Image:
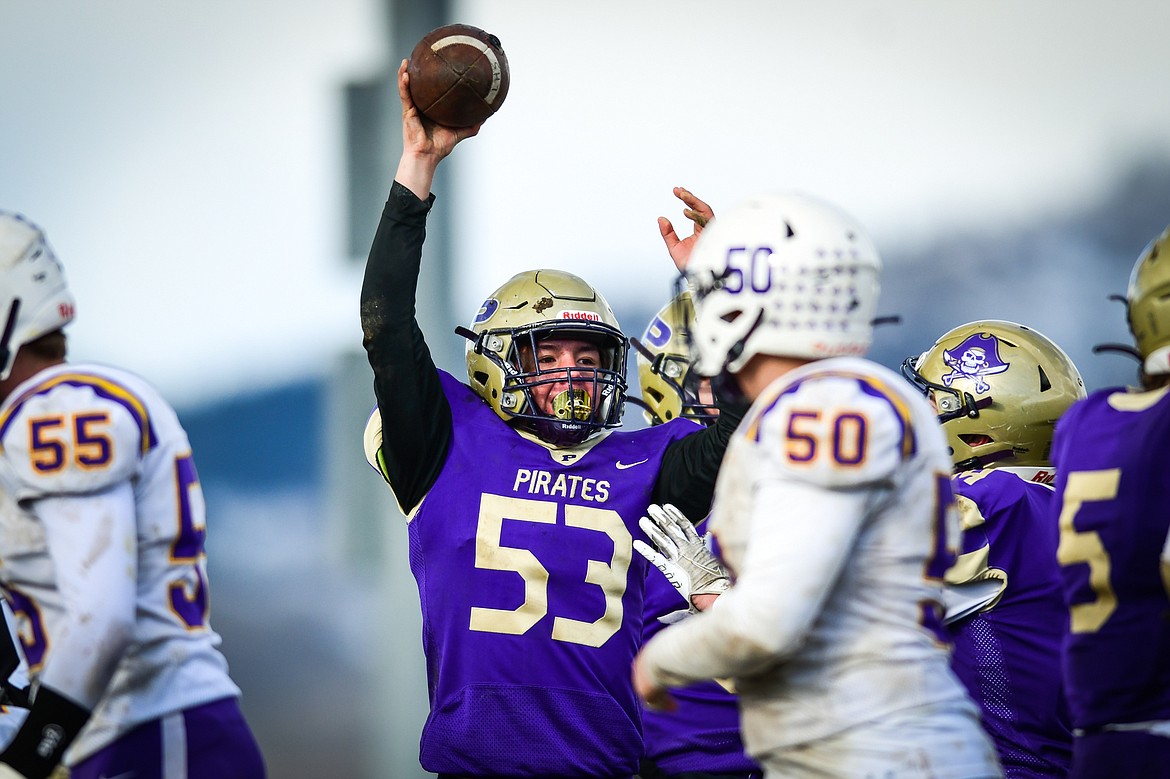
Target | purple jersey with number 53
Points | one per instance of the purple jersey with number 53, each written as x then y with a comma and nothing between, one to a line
1113,502
532,598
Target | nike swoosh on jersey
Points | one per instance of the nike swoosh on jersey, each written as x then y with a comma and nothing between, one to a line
622,466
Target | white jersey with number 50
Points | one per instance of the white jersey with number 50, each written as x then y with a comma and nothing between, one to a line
834,512
70,438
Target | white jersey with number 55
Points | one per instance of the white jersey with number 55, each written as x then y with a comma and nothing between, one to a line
94,463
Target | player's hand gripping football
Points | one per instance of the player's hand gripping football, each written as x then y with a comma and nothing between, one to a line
699,213
424,143
682,554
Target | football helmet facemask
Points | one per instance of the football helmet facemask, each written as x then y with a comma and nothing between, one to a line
785,275
1148,305
34,299
669,387
531,307
999,388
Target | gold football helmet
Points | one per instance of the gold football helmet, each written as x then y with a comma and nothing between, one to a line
527,309
1148,301
669,387
999,388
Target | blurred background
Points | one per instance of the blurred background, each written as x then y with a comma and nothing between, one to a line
211,175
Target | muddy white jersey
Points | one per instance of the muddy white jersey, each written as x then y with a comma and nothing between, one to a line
71,436
834,512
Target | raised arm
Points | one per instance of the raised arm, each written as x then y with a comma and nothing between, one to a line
690,465
416,419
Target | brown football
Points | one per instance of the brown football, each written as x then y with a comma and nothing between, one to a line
458,75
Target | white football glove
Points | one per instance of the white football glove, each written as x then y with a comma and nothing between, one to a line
674,574
8,772
682,555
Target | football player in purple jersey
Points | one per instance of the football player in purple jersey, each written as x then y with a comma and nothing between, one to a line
700,738
1112,494
999,388
522,501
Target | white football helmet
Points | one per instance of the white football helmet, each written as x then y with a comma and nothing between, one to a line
1148,302
34,299
786,275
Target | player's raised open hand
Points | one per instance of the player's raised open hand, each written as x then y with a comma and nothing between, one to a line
699,213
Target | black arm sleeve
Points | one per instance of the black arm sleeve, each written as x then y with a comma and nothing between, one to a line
416,418
690,465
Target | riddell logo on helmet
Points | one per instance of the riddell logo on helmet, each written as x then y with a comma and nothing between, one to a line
581,316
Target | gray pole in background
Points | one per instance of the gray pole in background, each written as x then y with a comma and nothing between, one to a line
367,532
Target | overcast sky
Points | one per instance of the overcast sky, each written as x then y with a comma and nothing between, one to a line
186,159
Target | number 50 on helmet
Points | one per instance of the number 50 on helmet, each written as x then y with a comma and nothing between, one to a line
529,308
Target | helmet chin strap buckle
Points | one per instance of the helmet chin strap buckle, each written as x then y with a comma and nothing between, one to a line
572,405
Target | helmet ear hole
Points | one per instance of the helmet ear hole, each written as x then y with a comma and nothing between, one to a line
480,378
976,439
1045,384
